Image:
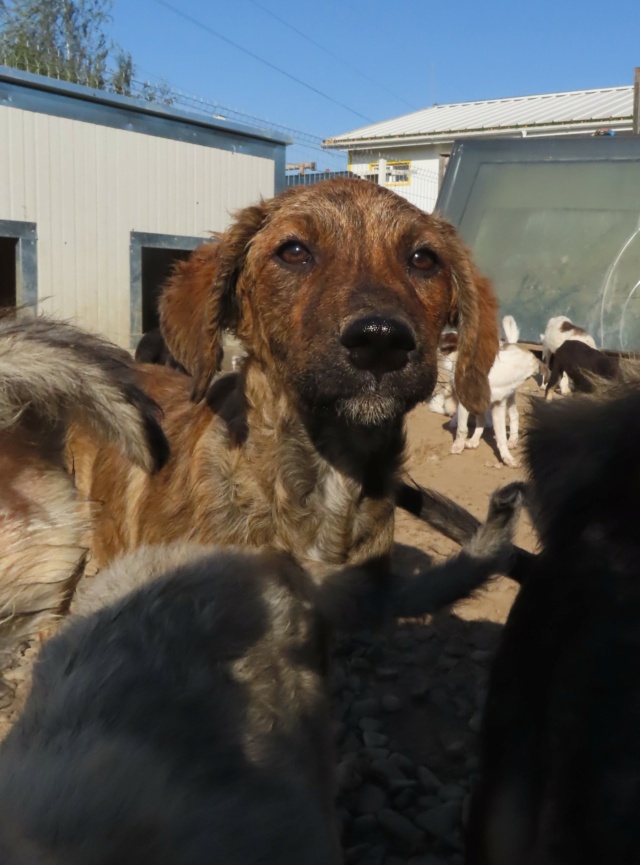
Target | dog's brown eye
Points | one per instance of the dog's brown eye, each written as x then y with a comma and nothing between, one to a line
426,261
294,252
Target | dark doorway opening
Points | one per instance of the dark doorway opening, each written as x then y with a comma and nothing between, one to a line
8,271
157,265
152,258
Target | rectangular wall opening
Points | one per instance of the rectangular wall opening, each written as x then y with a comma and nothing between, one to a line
152,258
157,266
8,271
18,264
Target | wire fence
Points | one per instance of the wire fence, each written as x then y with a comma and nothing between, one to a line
424,187
296,178
416,184
419,185
122,81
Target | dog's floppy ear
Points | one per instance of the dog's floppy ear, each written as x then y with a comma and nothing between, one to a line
183,304
474,314
198,302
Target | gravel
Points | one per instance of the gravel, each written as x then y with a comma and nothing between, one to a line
409,708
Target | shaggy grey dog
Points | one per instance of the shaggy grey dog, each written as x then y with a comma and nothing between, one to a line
188,721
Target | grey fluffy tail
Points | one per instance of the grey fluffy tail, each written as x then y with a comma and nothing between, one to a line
487,552
454,522
53,374
366,596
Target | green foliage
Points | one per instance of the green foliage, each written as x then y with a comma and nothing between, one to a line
67,39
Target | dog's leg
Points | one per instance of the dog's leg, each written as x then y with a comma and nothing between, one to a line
565,386
488,552
556,372
436,403
514,420
499,414
454,522
545,372
463,430
474,441
438,511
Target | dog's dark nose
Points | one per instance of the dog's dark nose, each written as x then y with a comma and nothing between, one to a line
378,343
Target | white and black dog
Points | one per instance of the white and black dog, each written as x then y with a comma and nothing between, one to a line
580,364
559,329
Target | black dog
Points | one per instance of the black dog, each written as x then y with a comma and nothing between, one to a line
153,349
187,722
560,746
581,363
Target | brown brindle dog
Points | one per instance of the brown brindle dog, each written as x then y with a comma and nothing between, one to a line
339,293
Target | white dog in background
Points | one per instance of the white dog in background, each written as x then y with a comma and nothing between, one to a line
512,367
558,330
444,400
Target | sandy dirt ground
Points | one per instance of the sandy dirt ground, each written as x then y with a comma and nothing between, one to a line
468,478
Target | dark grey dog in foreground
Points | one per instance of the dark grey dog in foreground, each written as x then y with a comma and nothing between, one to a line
188,722
560,747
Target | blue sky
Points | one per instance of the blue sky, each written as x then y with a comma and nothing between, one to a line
374,60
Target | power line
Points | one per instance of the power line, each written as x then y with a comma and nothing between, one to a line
196,22
213,108
331,53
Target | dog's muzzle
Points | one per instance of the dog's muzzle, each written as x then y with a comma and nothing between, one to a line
378,343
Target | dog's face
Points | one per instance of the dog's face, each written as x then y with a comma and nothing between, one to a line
342,289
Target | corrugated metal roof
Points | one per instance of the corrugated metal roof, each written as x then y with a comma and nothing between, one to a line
570,111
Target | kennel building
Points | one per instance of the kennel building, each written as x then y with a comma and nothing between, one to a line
100,193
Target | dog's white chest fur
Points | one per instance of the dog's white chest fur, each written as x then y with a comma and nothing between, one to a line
346,522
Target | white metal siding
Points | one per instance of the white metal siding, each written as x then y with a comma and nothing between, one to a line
422,189
87,187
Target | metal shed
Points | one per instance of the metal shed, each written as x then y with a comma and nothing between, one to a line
99,193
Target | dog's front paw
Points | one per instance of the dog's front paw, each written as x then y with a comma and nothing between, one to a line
472,444
508,459
494,538
458,446
512,463
507,498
